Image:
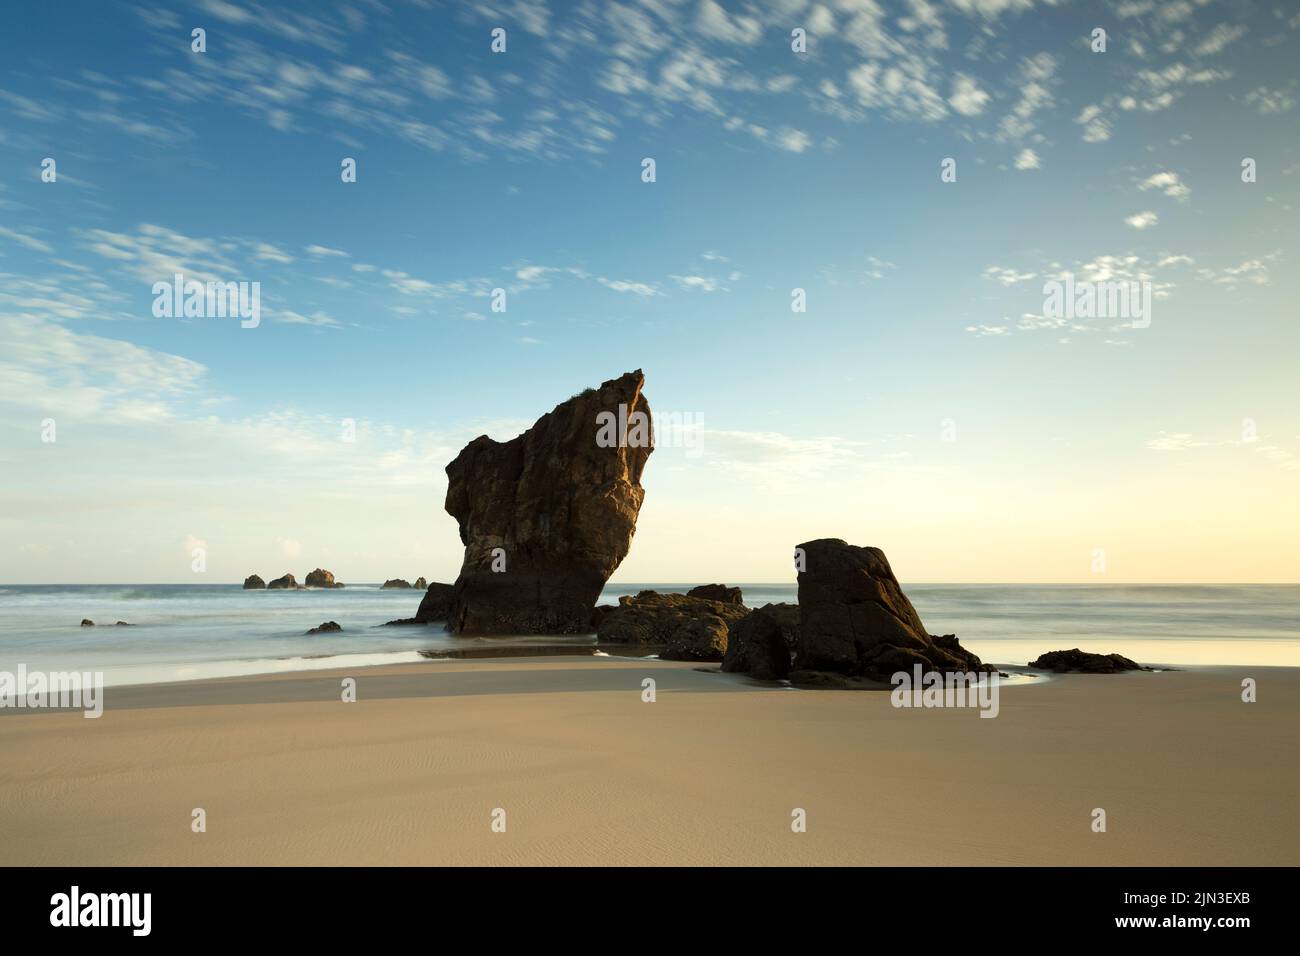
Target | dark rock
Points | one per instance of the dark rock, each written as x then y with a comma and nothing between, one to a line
548,516
436,603
826,680
397,583
253,583
321,578
599,613
288,581
325,628
854,618
87,622
123,624
716,592
686,628
1063,662
763,643
420,583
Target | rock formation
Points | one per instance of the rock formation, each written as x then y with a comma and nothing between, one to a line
682,628
253,583
762,644
855,620
598,615
547,516
1063,662
87,622
287,581
434,606
436,603
420,583
397,583
717,592
321,578
326,628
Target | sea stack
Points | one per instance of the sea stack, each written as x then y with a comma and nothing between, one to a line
320,578
288,581
548,516
855,620
254,583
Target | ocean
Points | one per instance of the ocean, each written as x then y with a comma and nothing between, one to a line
186,631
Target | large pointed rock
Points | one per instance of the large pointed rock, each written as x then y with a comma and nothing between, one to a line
854,618
547,516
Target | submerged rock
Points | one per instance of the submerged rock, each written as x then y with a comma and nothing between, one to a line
253,583
716,592
547,516
1063,662
686,628
325,628
854,618
321,578
762,644
123,624
287,581
397,583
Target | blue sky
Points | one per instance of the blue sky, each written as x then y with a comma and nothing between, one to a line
1173,449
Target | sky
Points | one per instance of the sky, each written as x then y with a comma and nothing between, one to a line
924,402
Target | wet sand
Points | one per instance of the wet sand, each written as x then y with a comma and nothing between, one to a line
710,773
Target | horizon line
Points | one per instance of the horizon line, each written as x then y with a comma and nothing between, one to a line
739,584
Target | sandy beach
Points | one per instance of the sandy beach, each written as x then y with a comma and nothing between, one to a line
709,773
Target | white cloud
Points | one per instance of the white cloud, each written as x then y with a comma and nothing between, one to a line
793,140
1168,183
265,252
289,317
1142,220
1268,101
1026,159
90,377
1219,38
967,98
1008,277
692,283
24,240
991,9
714,22
625,285
325,252
1096,129
901,90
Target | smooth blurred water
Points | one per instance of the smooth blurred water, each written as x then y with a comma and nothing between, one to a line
185,631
